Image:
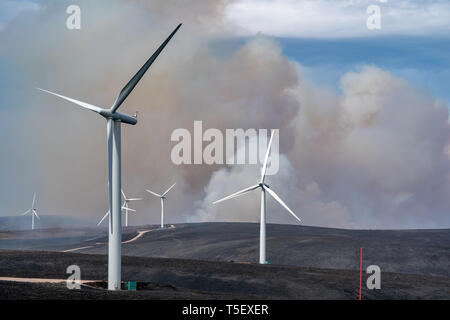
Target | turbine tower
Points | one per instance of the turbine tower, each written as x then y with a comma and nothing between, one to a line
264,188
107,213
114,121
126,202
32,211
163,198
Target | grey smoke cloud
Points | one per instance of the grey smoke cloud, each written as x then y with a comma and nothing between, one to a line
372,155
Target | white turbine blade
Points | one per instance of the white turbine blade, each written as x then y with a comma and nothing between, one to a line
128,209
35,213
169,189
80,103
134,199
239,193
34,200
22,214
104,217
153,193
276,197
123,193
263,170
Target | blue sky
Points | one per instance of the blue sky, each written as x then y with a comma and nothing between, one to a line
9,9
423,61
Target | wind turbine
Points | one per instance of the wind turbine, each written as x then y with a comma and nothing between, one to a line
126,202
32,211
163,198
264,188
123,208
114,120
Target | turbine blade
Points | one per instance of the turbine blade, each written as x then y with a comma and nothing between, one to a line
154,193
263,170
35,213
237,194
168,189
104,217
276,197
134,81
34,199
128,209
124,196
22,214
134,199
80,103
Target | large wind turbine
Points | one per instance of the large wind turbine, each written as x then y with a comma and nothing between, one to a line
114,120
126,202
32,211
163,198
264,187
123,208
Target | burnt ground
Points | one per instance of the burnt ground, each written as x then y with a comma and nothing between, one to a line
190,262
197,279
425,252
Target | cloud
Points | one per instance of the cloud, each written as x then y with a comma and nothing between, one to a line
338,19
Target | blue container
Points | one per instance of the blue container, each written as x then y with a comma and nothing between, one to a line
130,285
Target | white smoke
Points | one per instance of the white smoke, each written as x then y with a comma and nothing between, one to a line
371,155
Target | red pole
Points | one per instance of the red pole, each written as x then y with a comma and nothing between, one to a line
360,274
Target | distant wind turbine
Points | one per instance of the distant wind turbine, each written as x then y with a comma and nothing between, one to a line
114,121
32,211
264,187
126,202
123,208
163,198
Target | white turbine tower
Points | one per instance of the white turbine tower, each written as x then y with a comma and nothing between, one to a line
114,120
123,208
163,198
264,187
126,202
32,211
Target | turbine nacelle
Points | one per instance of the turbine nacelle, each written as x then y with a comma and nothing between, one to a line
119,116
264,185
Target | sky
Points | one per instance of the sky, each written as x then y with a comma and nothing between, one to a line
339,92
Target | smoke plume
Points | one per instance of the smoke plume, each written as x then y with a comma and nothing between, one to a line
371,155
